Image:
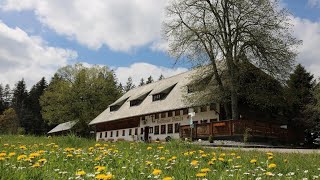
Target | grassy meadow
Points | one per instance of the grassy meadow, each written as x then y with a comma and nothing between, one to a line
26,157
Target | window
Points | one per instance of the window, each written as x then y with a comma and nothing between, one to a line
156,130
203,108
195,122
176,127
163,115
143,118
111,134
185,111
130,131
170,114
117,133
204,121
157,116
135,102
106,134
213,107
123,132
114,108
177,113
141,131
196,109
157,97
150,130
100,135
136,131
213,120
170,128
163,129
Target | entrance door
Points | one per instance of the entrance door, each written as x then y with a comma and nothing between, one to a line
146,133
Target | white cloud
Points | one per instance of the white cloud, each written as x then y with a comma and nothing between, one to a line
28,57
309,32
144,70
314,3
122,25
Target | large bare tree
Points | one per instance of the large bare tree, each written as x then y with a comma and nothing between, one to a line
229,32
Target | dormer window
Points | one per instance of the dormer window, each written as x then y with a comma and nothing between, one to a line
116,105
162,92
137,100
160,96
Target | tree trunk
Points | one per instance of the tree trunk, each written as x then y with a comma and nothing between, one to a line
227,110
234,76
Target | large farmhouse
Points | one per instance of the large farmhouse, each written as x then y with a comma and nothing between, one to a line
159,110
152,111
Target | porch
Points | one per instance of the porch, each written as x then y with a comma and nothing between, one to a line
235,129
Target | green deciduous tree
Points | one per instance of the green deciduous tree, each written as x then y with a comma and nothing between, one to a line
77,93
224,33
9,122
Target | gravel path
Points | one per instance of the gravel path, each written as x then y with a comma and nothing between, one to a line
230,145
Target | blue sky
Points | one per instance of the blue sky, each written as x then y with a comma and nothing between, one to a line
124,35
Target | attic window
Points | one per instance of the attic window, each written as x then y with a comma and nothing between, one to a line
159,96
116,105
162,92
137,100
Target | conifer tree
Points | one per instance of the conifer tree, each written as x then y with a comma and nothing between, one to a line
149,80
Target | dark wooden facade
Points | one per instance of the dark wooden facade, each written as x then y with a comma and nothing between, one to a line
236,129
118,124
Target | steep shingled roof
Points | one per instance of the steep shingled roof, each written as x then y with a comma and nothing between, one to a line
63,127
174,100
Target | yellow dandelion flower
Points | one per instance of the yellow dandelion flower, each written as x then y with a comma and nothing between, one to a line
148,162
156,172
6,145
220,159
272,165
194,162
149,148
204,155
42,160
160,147
253,161
174,157
33,155
21,157
69,155
269,153
270,157
205,170
222,154
101,168
214,159
285,160
36,165
233,154
2,159
104,176
210,163
3,154
167,178
23,147
201,174
80,173
201,151
97,145
238,157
